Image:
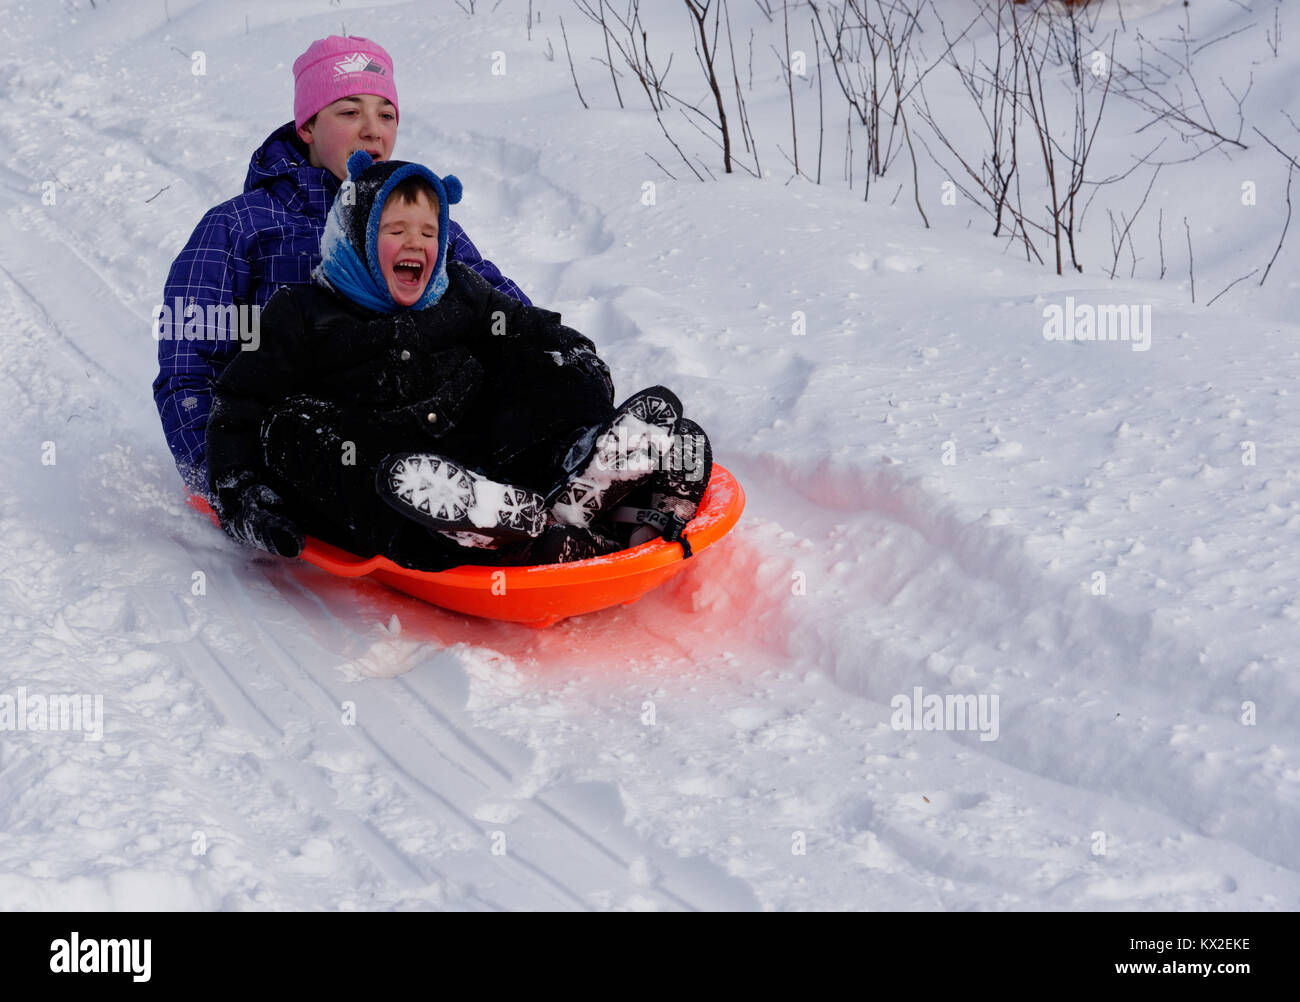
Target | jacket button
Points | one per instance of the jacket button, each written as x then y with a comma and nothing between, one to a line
406,356
431,417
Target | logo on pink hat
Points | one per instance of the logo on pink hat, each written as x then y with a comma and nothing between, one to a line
357,62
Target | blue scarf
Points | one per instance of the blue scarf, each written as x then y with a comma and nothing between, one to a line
361,280
348,276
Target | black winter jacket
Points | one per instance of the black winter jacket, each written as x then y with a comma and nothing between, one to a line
479,377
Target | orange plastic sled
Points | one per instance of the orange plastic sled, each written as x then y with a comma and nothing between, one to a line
543,594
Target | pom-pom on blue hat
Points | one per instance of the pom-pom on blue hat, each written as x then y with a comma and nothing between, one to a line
350,244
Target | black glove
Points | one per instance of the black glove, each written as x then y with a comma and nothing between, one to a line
594,365
256,522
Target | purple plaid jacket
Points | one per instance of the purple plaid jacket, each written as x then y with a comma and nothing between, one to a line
240,253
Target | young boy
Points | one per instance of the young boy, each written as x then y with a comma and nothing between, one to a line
244,249
402,406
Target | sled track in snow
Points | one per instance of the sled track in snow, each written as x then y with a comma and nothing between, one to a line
1051,652
444,771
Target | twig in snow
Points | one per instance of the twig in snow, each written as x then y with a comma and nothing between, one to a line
1115,264
821,112
660,166
1160,236
572,71
1229,286
1290,159
1289,172
789,82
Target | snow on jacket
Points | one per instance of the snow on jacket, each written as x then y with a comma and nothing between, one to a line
240,253
508,383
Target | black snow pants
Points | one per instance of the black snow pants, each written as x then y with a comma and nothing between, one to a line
323,458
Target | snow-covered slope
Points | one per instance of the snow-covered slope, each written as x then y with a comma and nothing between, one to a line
1102,539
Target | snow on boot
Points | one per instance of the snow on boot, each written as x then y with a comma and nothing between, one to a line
445,496
474,540
625,455
672,497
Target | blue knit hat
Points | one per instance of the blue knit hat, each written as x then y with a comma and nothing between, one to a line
349,246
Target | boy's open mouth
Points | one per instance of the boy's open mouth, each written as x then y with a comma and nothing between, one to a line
408,272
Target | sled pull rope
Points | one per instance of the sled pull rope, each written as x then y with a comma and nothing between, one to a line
676,533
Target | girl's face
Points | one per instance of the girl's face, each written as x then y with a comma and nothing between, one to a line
361,122
408,247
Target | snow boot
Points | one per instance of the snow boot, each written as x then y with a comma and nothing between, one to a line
665,506
447,497
624,456
562,544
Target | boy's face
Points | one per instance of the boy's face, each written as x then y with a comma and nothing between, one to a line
408,247
361,122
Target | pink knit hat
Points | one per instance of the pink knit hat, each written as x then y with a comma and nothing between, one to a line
340,66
